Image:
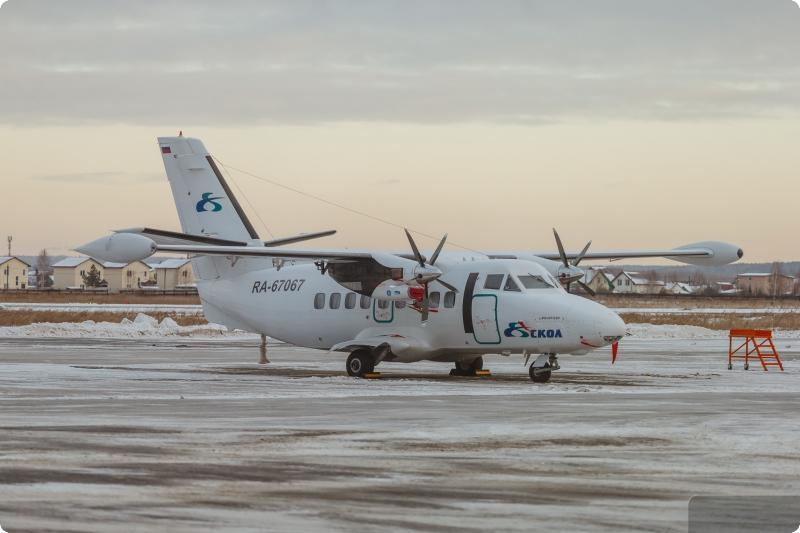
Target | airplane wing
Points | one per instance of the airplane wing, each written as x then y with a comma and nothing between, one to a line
265,251
701,253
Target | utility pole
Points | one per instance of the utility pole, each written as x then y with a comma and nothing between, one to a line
9,255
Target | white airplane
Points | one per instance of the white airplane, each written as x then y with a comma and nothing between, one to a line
378,306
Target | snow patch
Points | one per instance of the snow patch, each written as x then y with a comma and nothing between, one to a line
667,331
141,326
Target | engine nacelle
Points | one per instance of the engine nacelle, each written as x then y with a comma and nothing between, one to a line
119,248
395,293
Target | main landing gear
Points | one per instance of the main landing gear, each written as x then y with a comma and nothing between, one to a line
469,367
542,369
359,363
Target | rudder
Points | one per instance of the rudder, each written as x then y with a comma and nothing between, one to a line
206,205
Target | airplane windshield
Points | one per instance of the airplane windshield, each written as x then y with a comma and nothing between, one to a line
534,281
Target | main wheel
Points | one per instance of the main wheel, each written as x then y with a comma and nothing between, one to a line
467,367
540,375
360,362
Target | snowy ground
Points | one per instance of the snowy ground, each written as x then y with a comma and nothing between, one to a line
104,308
104,429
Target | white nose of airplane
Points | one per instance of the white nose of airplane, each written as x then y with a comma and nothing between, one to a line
611,327
600,326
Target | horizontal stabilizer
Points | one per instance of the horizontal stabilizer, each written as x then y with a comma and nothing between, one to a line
300,238
166,237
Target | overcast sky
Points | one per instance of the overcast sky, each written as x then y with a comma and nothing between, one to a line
629,122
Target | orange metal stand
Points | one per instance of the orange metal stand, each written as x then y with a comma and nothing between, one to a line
756,341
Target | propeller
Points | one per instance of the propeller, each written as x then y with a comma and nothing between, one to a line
426,272
570,272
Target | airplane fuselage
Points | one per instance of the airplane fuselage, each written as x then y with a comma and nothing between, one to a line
299,305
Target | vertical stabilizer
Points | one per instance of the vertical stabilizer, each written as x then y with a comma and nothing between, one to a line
206,205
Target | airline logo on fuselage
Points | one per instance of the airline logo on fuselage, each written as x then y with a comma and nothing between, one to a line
522,331
208,203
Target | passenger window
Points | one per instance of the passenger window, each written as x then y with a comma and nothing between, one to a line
365,301
350,300
511,285
493,281
319,300
449,299
383,304
336,299
433,299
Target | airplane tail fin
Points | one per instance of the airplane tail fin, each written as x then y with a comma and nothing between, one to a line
206,205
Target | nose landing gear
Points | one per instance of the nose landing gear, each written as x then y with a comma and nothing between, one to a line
542,369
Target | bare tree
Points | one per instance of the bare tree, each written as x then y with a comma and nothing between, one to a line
699,279
43,270
775,279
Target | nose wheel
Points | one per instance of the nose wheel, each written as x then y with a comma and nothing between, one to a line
542,369
541,374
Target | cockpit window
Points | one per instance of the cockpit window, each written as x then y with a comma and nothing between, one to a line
493,281
535,281
511,285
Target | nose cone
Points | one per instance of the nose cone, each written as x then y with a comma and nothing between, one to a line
599,325
611,327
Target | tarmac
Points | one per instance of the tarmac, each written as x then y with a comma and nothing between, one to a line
193,435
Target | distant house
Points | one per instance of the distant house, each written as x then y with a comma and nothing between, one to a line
171,274
634,283
598,279
68,273
121,276
14,272
676,287
726,288
765,284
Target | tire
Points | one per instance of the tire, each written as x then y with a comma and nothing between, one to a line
360,362
540,375
466,367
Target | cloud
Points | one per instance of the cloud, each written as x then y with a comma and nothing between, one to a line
247,61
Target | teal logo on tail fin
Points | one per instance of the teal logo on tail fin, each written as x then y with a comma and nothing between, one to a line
203,205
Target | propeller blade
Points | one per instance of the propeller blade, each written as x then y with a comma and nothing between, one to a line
614,348
435,255
418,255
561,251
587,288
580,255
447,285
